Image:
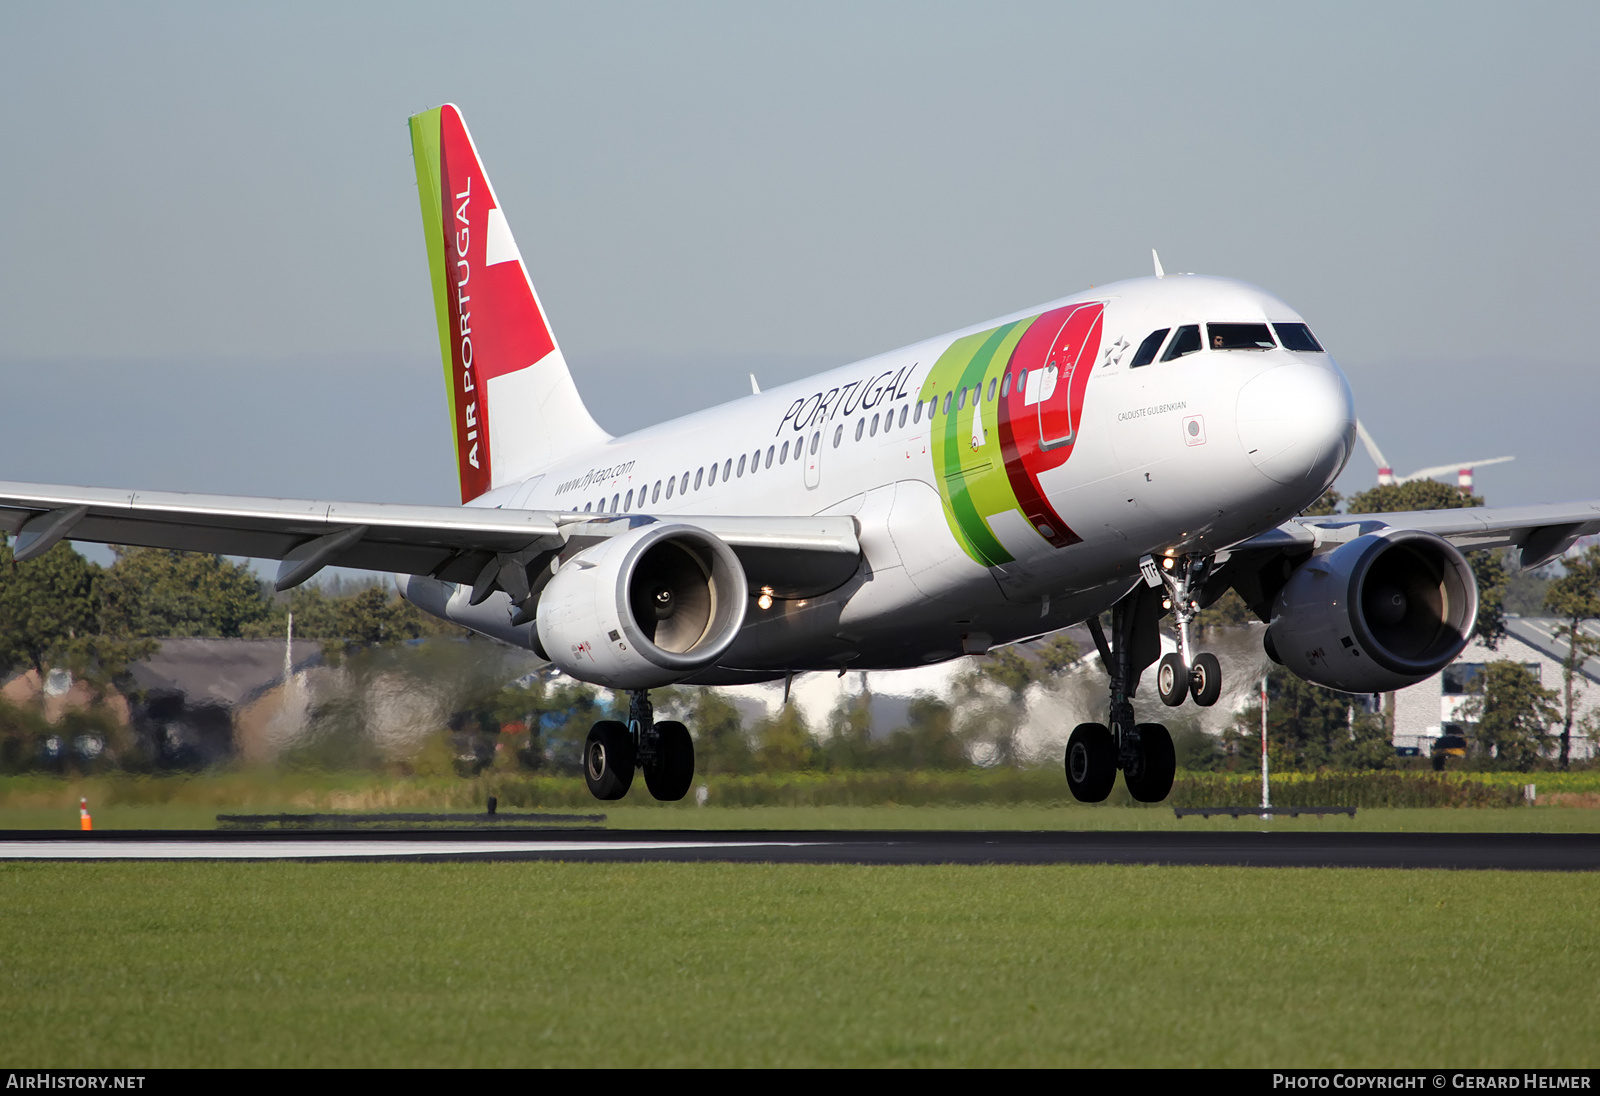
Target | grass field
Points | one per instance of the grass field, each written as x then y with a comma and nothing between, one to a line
174,964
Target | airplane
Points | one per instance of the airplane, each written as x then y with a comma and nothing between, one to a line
1138,447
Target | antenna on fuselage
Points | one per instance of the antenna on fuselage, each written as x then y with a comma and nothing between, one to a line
1157,260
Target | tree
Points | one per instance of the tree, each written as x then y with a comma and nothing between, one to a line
47,605
1310,727
1575,598
785,741
1014,669
155,592
1423,494
849,744
1327,503
928,740
1513,713
719,742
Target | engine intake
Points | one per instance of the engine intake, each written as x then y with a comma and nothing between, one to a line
1384,611
644,609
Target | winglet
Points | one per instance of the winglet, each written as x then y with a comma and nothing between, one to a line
1157,260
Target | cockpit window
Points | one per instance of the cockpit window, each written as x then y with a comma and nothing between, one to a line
1148,348
1239,336
1297,336
1186,341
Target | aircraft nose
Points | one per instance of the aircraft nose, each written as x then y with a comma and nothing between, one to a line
1296,423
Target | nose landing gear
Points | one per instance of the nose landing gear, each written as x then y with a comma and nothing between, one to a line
1184,673
663,750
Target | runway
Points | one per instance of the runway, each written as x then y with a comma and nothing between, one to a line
1461,851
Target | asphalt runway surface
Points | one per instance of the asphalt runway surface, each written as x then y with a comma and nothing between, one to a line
1301,849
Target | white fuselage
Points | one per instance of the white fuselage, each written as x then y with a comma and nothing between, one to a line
1191,454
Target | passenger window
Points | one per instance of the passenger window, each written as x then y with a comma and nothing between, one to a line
769,456
872,431
903,411
1005,386
861,426
947,403
615,499
699,474
627,503
587,507
992,383
671,483
838,435
727,469
916,416
1147,349
961,400
683,484
712,478
1240,336
1022,381
816,441
741,466
1297,336
1186,341
755,461
783,454
655,492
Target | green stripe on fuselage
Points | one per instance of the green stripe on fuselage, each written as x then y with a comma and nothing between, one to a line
973,482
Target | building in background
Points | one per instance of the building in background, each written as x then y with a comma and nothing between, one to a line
1432,708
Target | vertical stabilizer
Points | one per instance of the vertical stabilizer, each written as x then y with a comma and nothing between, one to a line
513,406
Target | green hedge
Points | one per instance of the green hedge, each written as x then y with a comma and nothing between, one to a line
973,787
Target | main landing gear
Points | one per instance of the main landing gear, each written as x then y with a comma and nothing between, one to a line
663,750
1143,751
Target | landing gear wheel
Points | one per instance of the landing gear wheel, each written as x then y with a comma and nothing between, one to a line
1172,680
608,755
1091,763
1149,779
1205,680
670,775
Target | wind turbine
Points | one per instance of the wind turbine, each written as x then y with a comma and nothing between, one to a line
1386,476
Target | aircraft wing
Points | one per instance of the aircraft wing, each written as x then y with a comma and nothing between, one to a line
795,556
1540,533
1258,567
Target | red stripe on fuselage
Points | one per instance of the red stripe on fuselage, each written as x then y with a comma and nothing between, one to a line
1071,337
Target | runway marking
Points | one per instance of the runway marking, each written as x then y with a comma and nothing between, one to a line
69,849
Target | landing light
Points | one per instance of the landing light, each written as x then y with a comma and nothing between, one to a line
765,600
1167,563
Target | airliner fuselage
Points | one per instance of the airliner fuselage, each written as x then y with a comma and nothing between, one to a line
1006,478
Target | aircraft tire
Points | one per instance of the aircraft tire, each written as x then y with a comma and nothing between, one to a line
1205,680
673,771
1091,762
1150,781
1172,680
608,757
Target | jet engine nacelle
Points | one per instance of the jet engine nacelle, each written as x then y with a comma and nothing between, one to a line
643,609
1382,612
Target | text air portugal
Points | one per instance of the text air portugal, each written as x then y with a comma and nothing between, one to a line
497,325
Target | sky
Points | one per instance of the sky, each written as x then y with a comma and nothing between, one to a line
212,272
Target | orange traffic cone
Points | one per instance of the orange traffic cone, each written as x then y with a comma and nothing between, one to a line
84,821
